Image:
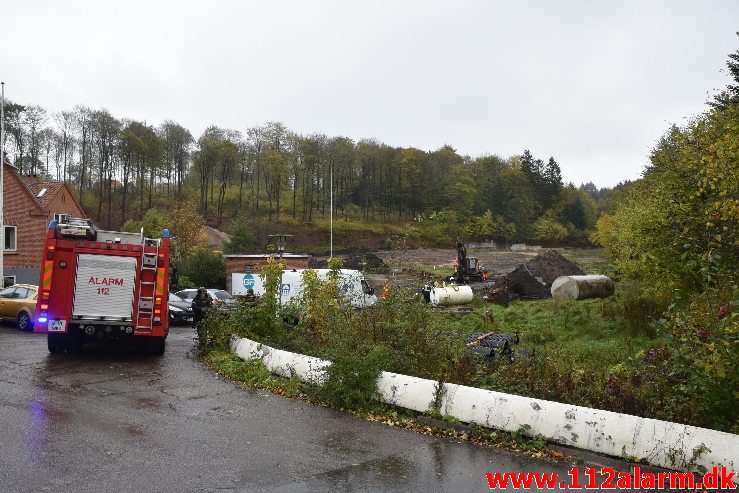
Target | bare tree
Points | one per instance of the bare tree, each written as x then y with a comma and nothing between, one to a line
34,120
82,123
65,123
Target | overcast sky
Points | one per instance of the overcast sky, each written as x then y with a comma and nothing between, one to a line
592,83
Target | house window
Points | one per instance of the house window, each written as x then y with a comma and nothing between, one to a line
8,281
64,198
10,237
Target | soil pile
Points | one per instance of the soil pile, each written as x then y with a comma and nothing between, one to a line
533,279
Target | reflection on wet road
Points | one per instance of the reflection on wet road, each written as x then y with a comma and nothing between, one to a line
118,421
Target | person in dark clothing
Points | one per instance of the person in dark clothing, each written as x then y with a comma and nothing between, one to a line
200,305
174,277
250,296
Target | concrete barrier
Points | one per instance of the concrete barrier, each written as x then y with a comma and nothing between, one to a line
246,348
406,391
285,363
523,247
482,244
660,443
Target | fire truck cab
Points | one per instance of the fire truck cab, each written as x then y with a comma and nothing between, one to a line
97,284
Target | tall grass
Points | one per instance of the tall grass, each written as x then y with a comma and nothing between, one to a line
609,354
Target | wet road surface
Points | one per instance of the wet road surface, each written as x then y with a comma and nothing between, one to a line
118,421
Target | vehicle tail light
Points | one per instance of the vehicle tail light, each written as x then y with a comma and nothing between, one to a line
45,294
44,306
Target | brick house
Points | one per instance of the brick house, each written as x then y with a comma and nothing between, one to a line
27,210
56,197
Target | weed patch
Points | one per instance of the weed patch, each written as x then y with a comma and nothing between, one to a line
610,354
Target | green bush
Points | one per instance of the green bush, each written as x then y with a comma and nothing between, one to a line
693,377
612,354
242,238
679,221
547,229
204,268
185,282
131,226
441,228
352,376
215,330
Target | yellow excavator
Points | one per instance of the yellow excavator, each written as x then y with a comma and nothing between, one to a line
467,269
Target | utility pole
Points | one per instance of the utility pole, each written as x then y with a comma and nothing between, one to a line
2,184
331,210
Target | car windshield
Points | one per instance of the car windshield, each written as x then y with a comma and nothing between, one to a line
221,295
174,297
365,288
187,295
6,293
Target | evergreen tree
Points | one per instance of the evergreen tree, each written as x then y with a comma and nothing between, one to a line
552,183
533,169
527,163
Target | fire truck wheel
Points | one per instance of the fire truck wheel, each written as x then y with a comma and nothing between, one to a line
156,345
24,321
57,343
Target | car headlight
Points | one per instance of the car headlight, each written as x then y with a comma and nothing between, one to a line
175,309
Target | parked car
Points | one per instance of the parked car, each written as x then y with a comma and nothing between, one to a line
221,299
180,311
18,303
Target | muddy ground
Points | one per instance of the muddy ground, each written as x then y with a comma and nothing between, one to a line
415,267
495,262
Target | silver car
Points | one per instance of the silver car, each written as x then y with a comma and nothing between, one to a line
221,299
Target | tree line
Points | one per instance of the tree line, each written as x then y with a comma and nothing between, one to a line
673,238
122,167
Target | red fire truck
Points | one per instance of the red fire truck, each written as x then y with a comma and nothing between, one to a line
99,284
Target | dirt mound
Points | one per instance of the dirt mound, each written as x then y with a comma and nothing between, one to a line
368,262
533,279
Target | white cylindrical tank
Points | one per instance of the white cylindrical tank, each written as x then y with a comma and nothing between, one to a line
451,295
582,287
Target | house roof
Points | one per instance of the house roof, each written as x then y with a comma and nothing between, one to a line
45,191
14,173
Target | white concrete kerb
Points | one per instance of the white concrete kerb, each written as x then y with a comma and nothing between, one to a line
661,443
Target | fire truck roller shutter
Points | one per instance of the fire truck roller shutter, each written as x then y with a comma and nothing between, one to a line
104,287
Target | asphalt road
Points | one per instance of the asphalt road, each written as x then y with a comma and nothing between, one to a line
112,420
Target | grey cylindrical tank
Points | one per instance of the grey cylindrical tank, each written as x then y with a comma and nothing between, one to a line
582,287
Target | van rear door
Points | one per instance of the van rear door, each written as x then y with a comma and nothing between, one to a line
104,287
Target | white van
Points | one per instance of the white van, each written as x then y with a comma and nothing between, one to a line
353,286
